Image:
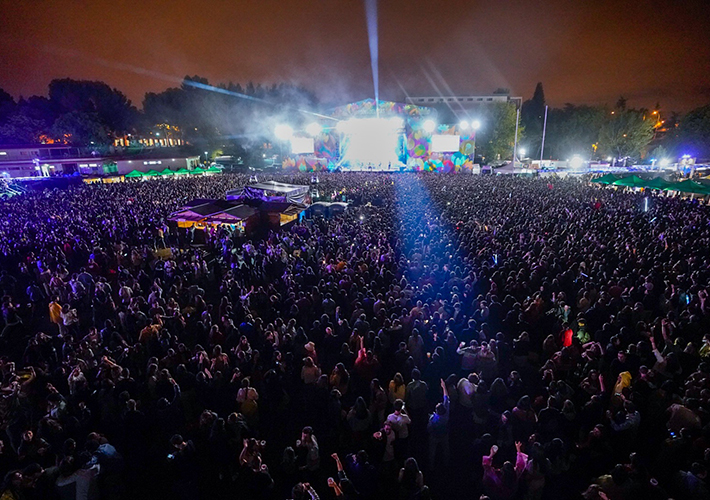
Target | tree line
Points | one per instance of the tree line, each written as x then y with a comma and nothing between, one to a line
90,112
618,132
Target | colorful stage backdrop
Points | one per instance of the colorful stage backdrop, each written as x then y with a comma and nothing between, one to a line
413,147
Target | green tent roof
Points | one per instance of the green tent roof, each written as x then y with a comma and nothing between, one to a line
688,186
605,179
658,183
134,173
182,171
214,170
152,173
167,171
198,170
631,181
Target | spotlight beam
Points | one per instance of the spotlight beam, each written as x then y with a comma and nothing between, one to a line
371,13
74,54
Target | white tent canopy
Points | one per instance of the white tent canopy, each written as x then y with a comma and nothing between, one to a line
271,191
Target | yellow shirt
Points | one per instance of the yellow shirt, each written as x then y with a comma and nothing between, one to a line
55,312
396,393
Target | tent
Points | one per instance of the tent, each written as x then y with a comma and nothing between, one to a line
281,213
688,186
134,174
271,191
213,170
182,171
658,183
232,215
197,170
328,208
167,171
631,181
152,173
605,179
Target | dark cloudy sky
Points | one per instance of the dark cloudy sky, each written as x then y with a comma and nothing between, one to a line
584,51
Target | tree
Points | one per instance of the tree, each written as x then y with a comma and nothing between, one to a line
7,106
496,139
694,133
81,128
21,128
209,114
532,115
573,130
621,103
625,135
110,106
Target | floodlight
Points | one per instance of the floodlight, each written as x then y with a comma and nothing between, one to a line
464,125
283,132
475,124
664,162
522,152
429,126
314,129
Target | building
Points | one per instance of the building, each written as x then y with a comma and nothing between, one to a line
451,109
467,101
51,161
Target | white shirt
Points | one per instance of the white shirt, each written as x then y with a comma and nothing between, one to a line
466,391
400,424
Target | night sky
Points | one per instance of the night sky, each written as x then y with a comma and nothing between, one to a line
583,51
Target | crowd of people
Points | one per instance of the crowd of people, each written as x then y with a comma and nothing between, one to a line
447,336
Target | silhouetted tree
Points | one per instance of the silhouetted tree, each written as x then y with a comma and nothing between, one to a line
572,130
81,128
694,133
496,139
626,134
7,106
532,115
112,108
621,103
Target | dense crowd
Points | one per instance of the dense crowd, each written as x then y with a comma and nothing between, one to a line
445,337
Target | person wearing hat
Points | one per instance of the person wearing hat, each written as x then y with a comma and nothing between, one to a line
310,348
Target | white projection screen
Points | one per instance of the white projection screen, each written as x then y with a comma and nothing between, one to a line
445,143
302,145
